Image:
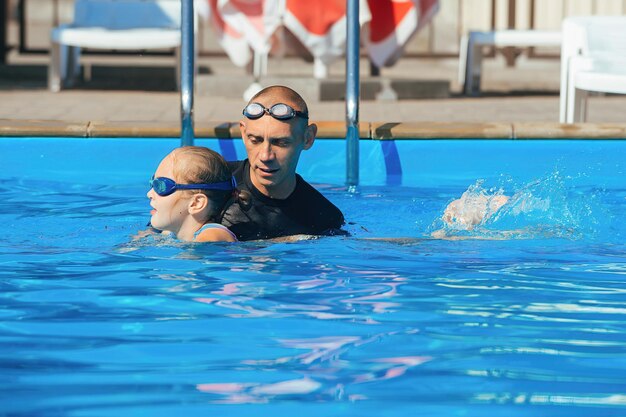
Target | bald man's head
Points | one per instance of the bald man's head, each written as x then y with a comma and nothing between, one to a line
273,145
281,94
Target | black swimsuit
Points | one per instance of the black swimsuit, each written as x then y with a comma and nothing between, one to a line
305,211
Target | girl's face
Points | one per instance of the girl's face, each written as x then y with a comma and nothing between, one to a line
168,212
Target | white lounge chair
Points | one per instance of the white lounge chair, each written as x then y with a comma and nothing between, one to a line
115,25
593,59
471,55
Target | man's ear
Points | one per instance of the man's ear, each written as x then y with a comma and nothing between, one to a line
242,129
309,135
197,203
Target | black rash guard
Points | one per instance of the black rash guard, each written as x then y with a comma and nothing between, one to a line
305,211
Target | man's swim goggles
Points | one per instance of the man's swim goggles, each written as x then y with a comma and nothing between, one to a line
165,186
280,111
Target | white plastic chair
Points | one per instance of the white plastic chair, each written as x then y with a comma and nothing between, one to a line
116,25
471,50
593,59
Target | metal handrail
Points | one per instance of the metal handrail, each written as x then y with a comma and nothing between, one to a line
186,72
352,95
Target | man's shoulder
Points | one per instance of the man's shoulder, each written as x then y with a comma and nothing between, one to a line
312,200
304,189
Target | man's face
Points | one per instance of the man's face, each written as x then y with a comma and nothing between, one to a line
274,147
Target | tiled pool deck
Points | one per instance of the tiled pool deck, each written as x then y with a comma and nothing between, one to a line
28,109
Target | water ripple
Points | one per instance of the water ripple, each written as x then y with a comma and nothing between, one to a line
93,322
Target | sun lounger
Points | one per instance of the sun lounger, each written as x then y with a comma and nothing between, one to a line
593,59
112,25
471,56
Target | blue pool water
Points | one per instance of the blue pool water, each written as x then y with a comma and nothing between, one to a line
524,316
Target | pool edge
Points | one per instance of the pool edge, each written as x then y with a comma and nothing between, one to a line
326,130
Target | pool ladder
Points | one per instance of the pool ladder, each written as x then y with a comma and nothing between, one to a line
186,73
352,85
352,95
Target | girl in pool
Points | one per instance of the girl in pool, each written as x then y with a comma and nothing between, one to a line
189,192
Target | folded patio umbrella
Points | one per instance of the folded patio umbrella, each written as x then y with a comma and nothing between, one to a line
230,39
257,20
321,25
393,23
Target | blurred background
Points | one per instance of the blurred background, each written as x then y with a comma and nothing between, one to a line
425,65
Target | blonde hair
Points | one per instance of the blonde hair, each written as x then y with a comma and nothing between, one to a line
199,165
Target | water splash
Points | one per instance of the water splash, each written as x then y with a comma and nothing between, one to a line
548,207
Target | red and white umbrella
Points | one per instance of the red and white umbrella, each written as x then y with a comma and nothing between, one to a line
393,23
257,20
321,26
230,39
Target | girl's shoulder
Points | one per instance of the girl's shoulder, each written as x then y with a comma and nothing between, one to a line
214,232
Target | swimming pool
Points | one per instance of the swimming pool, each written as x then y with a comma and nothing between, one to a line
522,317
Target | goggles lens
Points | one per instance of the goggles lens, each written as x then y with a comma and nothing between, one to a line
280,111
164,186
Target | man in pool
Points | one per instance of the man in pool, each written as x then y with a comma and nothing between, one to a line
275,130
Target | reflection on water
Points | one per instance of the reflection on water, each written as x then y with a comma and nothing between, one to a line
93,323
323,354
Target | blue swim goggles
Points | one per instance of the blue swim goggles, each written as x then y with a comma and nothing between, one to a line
165,186
280,111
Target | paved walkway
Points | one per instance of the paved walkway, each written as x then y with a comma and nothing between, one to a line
159,106
508,98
